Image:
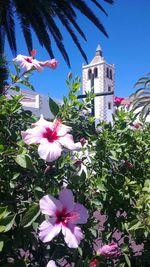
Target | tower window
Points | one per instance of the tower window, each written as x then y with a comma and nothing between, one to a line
107,71
95,73
110,75
109,88
109,105
89,74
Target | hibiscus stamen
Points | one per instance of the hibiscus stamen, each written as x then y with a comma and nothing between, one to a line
57,124
28,60
64,218
50,135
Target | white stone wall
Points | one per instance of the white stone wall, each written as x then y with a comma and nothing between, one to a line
38,104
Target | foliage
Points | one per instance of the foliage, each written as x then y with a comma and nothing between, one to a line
141,98
43,18
3,74
116,185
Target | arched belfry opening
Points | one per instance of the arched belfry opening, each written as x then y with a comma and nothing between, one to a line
95,72
89,74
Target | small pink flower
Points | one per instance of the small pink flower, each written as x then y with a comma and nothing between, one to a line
51,264
83,141
109,251
137,125
118,101
93,263
64,215
51,137
30,62
33,53
128,164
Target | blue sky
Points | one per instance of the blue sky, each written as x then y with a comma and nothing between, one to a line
128,45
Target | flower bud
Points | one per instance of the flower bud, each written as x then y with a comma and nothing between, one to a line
109,251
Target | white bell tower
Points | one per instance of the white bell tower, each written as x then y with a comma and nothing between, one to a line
104,81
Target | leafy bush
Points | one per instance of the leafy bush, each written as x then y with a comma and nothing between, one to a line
113,184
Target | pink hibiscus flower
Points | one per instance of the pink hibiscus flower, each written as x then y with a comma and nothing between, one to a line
109,251
51,137
51,264
30,62
64,215
118,101
93,263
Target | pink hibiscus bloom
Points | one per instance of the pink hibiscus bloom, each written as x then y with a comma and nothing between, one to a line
109,251
118,101
51,137
64,215
93,263
51,264
30,62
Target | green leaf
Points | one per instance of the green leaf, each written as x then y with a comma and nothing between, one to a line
3,212
31,215
127,260
17,68
24,161
26,83
15,88
54,108
1,245
7,223
80,251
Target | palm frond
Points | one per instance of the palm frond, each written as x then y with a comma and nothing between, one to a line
42,16
87,12
141,98
100,7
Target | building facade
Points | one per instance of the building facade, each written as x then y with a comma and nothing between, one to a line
99,76
38,104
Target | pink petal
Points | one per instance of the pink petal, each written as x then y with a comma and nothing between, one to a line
67,199
25,65
72,236
49,151
49,63
62,129
83,213
44,123
48,231
36,64
21,58
33,136
51,264
33,52
49,205
68,142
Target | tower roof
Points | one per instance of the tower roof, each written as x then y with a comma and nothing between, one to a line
98,49
98,56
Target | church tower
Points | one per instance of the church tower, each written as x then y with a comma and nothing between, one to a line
100,76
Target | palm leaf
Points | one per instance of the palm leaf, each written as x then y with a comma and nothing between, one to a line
42,17
141,98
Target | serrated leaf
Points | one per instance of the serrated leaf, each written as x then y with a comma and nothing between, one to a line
54,108
31,215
